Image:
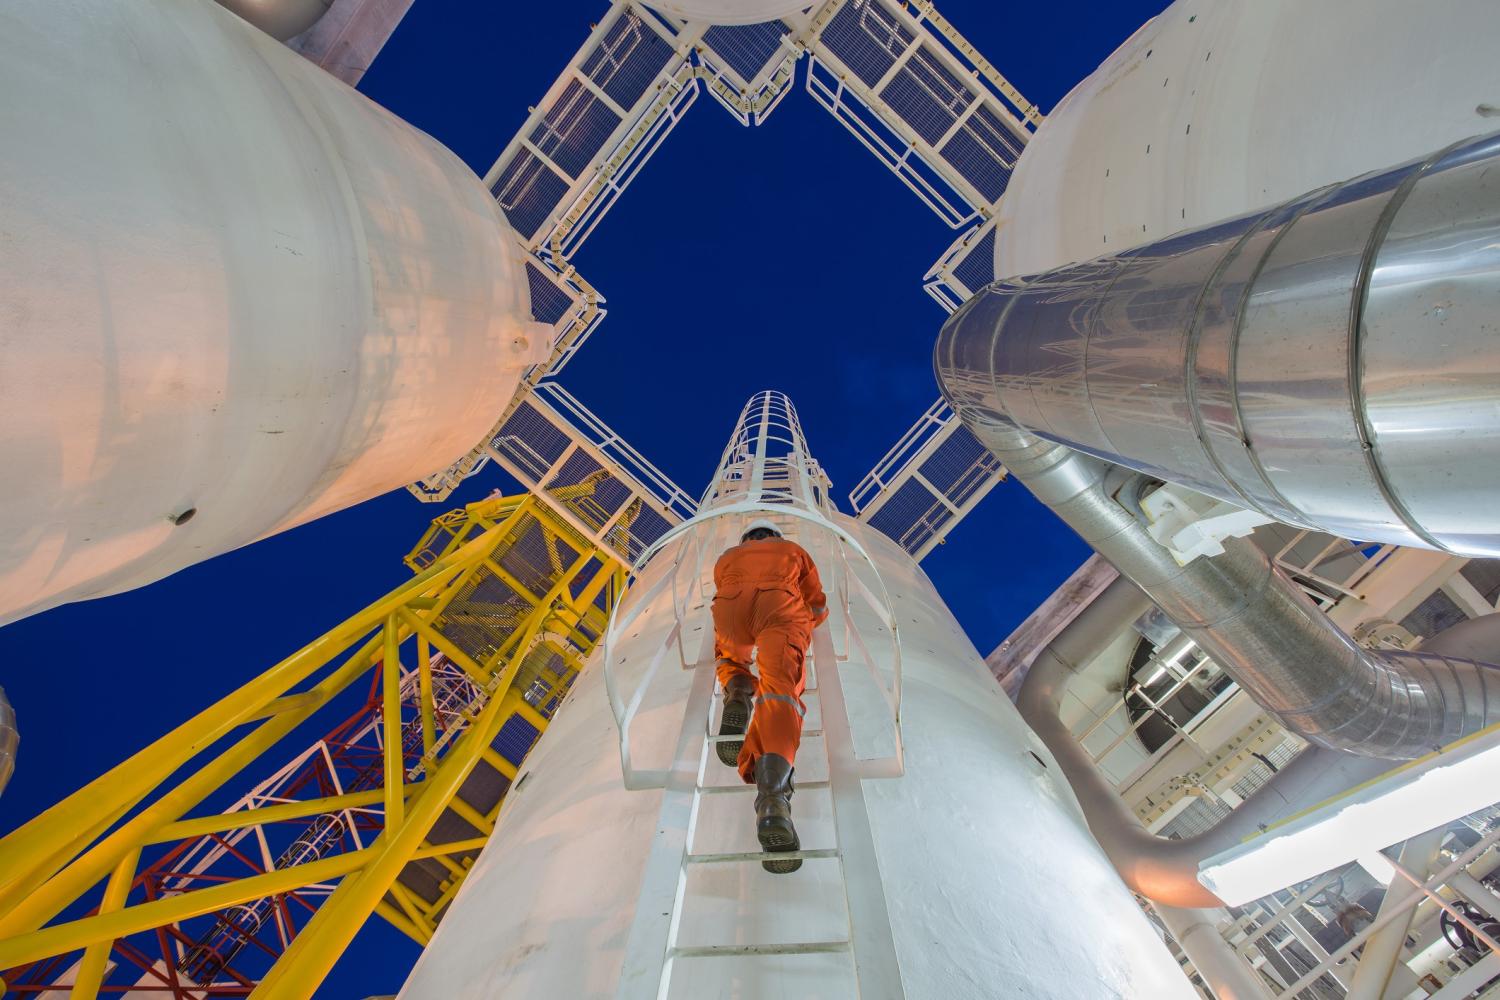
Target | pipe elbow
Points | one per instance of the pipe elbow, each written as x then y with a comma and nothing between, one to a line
281,19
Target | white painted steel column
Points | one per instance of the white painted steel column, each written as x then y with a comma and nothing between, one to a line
1383,950
1222,968
1476,892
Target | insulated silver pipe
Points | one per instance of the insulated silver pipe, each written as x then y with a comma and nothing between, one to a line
1332,362
1158,868
1259,627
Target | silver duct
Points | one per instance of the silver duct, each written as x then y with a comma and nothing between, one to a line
1163,870
1332,362
1259,627
10,740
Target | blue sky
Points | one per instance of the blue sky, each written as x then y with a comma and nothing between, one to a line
778,257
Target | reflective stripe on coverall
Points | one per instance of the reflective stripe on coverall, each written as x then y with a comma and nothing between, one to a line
767,597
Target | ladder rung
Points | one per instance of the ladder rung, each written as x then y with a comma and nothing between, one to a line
729,950
717,789
709,859
739,737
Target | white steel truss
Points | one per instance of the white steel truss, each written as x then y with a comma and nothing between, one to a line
904,82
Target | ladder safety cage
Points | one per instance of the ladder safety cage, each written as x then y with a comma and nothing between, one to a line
766,469
929,481
682,940
624,706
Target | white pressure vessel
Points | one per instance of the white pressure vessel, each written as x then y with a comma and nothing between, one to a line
1216,108
235,296
993,884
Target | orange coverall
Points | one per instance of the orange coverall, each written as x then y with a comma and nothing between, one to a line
767,596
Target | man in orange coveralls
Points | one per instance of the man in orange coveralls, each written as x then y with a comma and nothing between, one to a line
767,597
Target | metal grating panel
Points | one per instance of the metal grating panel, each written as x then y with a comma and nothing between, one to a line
528,190
926,96
1484,574
984,150
531,440
1433,615
1200,816
959,466
1258,773
928,482
574,129
746,48
867,39
617,454
581,468
910,517
515,739
977,268
483,615
589,489
627,60
895,150
549,303
646,527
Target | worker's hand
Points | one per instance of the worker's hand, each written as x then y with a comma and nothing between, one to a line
820,615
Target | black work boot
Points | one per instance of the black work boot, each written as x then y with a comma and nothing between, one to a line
739,694
773,812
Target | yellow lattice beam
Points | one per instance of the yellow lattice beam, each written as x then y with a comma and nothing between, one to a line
49,864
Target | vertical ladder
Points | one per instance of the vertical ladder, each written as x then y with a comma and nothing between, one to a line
710,923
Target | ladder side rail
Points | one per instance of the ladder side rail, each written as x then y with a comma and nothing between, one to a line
873,946
895,765
659,907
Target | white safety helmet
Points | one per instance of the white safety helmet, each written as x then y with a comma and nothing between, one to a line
758,524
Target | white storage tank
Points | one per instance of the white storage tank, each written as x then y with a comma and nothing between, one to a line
993,885
1214,108
235,296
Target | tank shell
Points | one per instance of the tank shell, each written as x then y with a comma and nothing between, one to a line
1214,109
994,886
229,285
